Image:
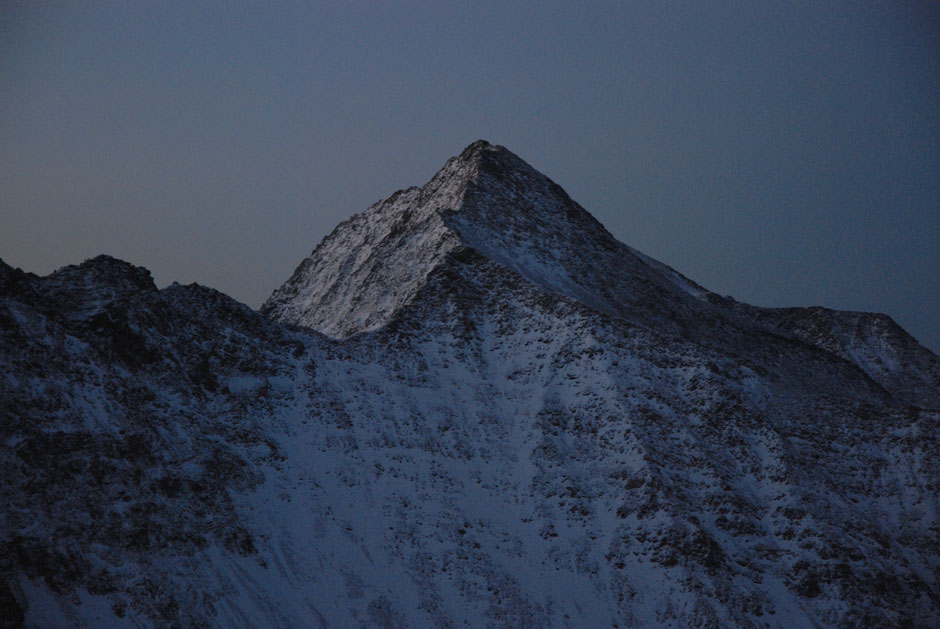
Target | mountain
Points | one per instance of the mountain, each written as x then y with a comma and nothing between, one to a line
471,405
487,202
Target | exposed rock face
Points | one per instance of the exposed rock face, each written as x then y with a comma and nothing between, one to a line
469,405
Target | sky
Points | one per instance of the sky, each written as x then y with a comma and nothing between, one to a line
784,153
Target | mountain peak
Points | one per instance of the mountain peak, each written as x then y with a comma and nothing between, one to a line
485,198
491,201
475,148
106,273
480,159
482,151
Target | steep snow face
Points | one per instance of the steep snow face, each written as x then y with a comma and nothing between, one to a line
366,269
375,262
517,217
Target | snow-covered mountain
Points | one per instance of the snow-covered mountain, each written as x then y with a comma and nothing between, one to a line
470,406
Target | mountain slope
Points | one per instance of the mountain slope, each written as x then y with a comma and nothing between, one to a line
505,419
488,200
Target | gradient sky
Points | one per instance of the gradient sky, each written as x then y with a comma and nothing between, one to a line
782,153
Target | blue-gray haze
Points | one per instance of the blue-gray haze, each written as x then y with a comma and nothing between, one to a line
783,153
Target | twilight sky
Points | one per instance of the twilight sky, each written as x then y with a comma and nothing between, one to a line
782,153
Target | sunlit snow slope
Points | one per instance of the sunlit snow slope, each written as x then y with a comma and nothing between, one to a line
470,406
